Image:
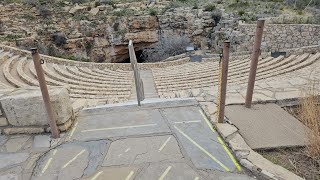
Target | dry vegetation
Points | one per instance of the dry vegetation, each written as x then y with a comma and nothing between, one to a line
305,162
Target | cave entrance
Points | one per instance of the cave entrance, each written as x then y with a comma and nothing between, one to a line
139,55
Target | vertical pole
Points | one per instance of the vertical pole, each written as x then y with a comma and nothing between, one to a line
254,62
134,65
223,84
45,93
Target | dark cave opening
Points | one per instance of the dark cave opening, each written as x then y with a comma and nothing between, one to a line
139,56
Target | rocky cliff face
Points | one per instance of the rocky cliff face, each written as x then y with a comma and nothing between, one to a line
99,33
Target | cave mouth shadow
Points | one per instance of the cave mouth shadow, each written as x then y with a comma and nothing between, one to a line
139,55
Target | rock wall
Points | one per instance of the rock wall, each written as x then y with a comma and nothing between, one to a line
277,37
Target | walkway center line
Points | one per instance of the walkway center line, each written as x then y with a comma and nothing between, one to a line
74,158
229,154
164,144
123,127
207,121
165,173
181,122
96,176
74,128
203,150
129,175
48,162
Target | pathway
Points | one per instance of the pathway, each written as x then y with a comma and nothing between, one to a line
149,86
160,140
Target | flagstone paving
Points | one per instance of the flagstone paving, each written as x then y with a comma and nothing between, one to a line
164,142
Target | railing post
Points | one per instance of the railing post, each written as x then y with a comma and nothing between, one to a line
45,94
137,79
254,62
223,82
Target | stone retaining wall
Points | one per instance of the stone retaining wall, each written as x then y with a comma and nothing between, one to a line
277,37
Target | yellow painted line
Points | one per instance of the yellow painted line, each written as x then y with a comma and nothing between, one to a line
203,150
96,176
74,128
165,173
181,122
123,127
229,154
164,144
74,158
127,150
207,121
129,175
47,165
196,178
48,162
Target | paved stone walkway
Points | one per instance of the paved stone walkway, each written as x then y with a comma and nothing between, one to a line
149,86
164,140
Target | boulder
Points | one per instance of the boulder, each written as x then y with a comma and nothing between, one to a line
25,107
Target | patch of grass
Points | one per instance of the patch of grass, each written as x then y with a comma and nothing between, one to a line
210,7
124,12
153,12
10,37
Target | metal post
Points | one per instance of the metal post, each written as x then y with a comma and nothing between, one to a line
223,81
45,94
137,79
254,62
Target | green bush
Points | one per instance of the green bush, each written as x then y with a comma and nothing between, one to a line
210,7
153,12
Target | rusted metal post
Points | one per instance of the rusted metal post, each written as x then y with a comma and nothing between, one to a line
223,81
45,94
254,62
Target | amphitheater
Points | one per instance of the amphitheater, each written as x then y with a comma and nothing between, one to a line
169,137
108,83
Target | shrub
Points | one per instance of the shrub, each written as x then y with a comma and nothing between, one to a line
310,116
153,12
59,38
210,7
44,11
167,46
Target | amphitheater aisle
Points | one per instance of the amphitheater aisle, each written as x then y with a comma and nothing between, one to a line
149,86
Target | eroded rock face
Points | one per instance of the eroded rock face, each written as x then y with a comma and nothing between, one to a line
107,32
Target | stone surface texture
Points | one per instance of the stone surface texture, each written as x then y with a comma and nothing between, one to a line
25,107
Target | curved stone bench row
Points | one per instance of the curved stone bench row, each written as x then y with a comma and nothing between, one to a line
213,74
269,69
61,70
207,67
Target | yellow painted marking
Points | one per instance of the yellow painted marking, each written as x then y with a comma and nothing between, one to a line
74,158
49,161
96,176
47,165
203,150
164,144
181,122
229,154
129,175
196,178
165,173
207,121
123,127
127,150
74,128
